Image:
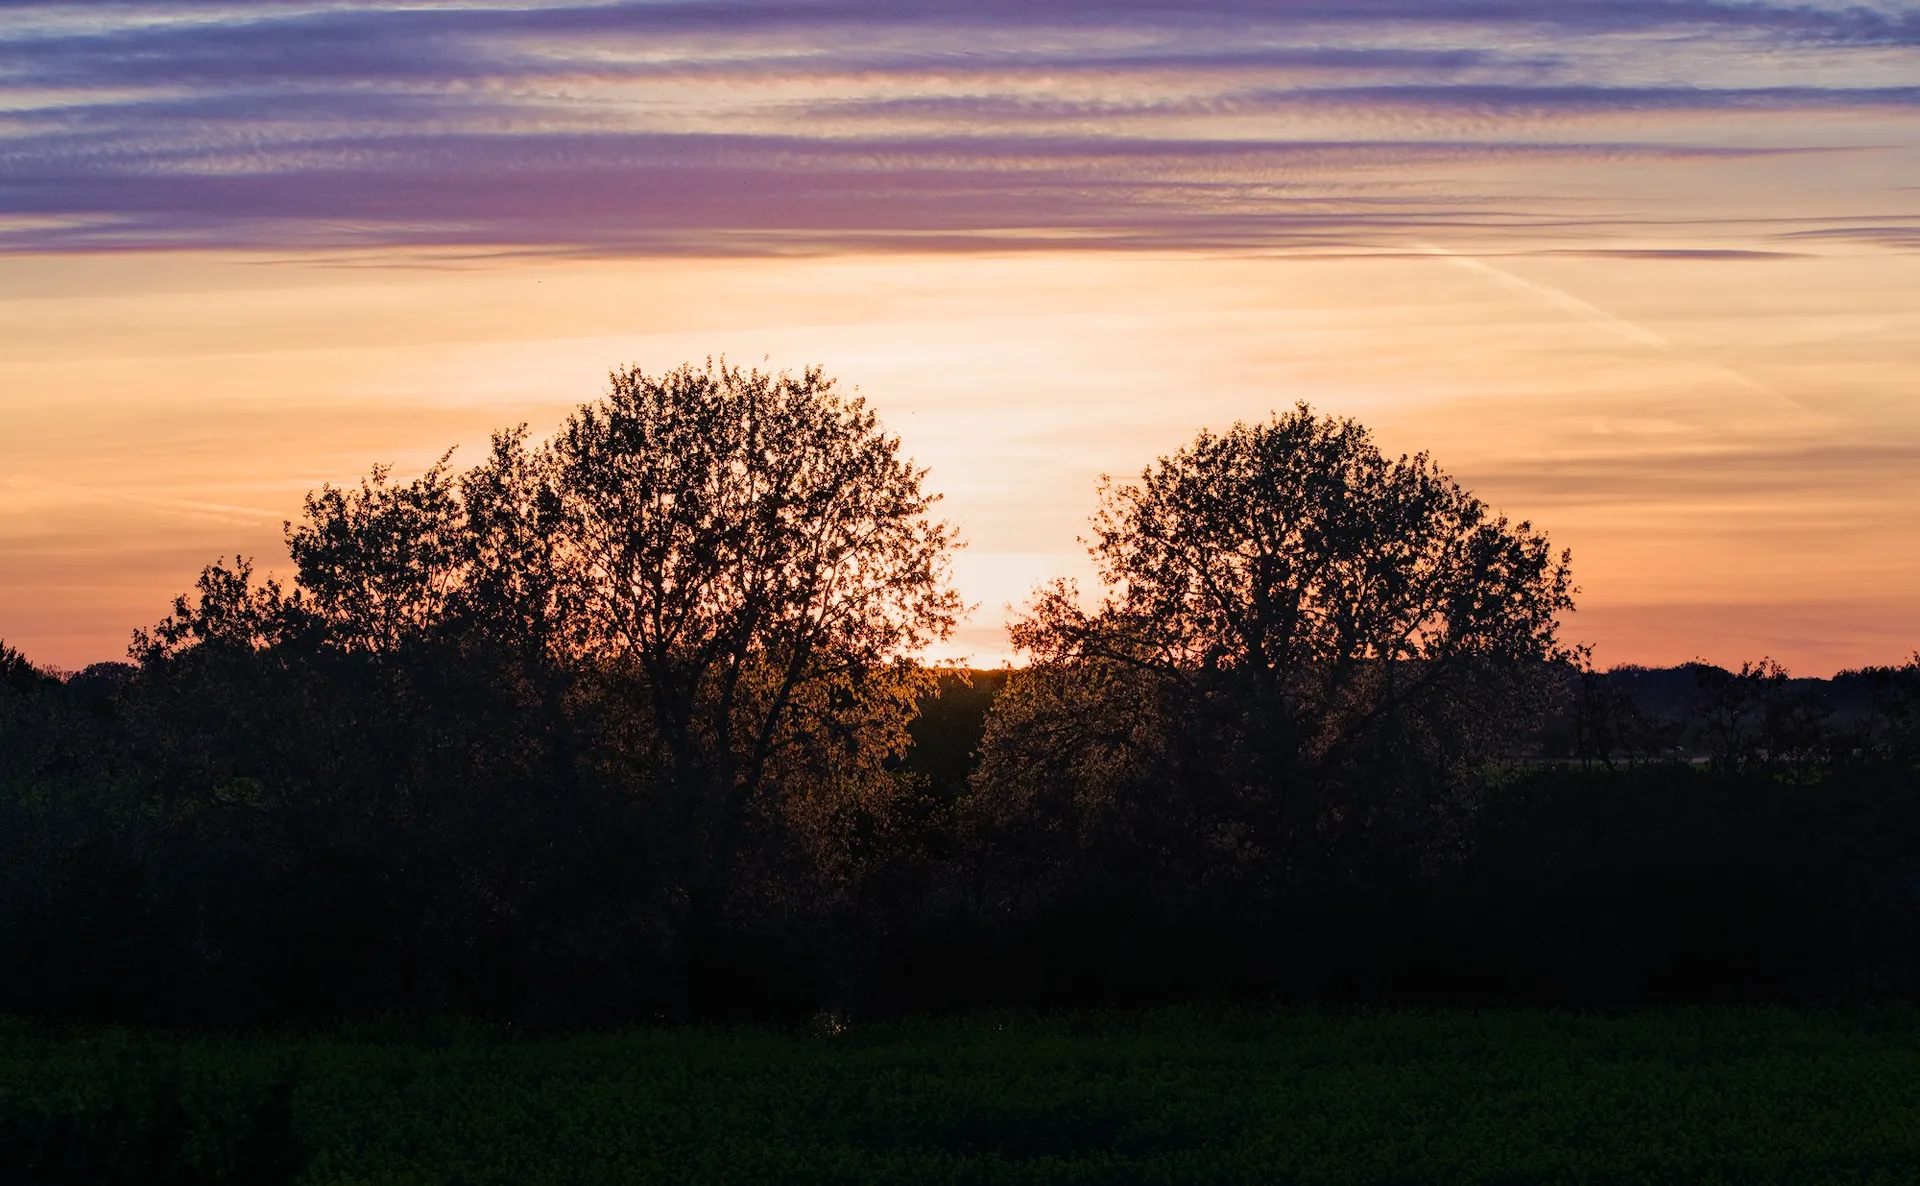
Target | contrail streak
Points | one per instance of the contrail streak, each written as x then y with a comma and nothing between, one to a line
103,494
1589,312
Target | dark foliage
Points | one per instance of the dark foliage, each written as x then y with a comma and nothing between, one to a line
1305,657
19,676
621,725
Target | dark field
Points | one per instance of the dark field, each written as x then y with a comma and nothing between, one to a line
1193,1095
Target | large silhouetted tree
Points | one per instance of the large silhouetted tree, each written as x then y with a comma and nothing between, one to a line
626,678
1293,626
753,554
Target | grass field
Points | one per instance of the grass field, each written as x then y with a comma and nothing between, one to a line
1191,1095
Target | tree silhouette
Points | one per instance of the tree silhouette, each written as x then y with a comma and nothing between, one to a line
752,551
228,611
382,565
1286,611
17,673
512,591
1757,716
658,663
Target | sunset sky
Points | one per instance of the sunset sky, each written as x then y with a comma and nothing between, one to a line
1645,272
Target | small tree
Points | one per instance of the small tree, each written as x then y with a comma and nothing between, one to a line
1756,718
18,673
382,565
228,612
389,565
1289,613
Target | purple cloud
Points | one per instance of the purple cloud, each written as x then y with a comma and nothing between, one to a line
756,125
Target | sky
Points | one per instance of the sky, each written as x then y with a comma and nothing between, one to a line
1643,272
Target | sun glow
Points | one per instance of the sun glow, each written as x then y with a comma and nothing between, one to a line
1704,463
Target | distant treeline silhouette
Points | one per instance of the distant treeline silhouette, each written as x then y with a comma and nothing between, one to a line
628,723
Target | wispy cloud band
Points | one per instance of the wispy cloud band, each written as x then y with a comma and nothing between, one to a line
743,125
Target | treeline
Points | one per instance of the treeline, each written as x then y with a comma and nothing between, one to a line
626,723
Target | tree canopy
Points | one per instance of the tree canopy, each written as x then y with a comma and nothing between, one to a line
721,575
756,551
1292,625
1295,546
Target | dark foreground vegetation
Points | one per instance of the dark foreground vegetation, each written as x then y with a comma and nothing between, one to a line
623,726
1722,1095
